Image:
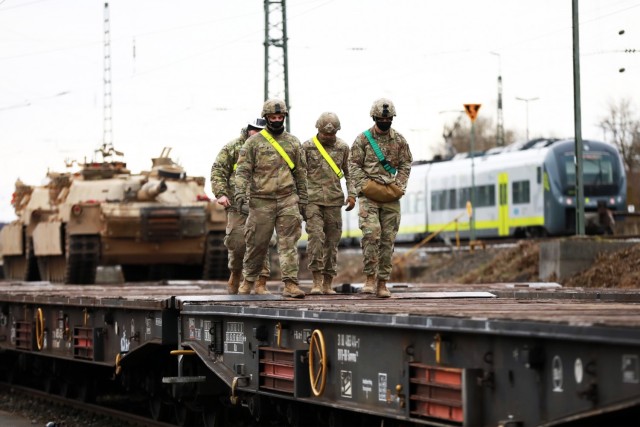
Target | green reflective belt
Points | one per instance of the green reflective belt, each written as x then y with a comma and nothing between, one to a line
327,157
278,148
376,149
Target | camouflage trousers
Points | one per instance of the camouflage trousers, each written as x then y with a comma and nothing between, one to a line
324,226
379,223
265,215
236,245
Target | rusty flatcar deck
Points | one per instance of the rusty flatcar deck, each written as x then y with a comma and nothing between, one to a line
546,303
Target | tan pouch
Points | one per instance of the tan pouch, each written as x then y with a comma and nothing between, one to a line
382,193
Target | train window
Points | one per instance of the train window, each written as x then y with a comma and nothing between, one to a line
539,175
413,202
485,196
599,169
452,199
520,192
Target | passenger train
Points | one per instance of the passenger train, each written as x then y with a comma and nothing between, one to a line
525,192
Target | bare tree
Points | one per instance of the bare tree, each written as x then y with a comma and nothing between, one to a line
622,128
457,136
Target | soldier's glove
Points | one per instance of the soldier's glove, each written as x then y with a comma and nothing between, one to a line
350,202
303,210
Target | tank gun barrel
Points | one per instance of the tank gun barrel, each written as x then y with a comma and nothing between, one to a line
150,190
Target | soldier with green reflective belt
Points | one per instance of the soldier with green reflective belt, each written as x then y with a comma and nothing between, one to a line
272,175
327,162
222,186
380,164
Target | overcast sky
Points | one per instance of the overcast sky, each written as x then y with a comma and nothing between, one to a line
189,74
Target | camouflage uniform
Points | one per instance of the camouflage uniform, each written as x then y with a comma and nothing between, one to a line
274,192
379,222
223,184
326,197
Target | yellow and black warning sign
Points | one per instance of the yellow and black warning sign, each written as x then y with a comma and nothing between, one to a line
472,110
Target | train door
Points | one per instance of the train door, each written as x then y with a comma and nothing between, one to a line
503,204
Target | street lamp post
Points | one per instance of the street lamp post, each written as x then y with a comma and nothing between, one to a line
500,120
526,100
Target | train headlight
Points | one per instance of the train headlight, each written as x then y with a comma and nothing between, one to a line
612,201
569,201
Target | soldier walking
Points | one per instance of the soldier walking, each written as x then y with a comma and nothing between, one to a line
272,174
222,186
327,162
380,164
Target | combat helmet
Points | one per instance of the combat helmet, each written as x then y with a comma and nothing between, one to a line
328,122
256,124
274,106
382,107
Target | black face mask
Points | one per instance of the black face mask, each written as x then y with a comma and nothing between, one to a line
276,127
383,126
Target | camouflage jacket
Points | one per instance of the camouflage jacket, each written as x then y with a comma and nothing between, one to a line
264,173
222,170
364,164
324,186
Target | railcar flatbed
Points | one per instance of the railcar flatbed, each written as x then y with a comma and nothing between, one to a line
496,354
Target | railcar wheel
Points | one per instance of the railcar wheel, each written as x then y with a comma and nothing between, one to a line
185,415
317,363
212,416
159,409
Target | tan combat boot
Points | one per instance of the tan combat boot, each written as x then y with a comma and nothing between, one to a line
381,290
292,290
370,285
261,286
245,288
326,285
317,283
234,282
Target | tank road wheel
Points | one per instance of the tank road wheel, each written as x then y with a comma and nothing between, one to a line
15,267
216,258
317,363
52,268
82,259
22,267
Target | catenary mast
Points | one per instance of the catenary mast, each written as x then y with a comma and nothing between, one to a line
276,70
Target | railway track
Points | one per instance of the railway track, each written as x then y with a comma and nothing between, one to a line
59,409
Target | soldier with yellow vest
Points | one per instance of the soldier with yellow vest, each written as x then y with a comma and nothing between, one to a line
272,175
327,163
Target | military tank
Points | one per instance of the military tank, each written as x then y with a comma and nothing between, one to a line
157,224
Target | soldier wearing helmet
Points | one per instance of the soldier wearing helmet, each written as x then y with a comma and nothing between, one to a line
327,162
272,175
222,186
380,164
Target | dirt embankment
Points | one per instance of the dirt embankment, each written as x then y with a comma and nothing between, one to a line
494,264
619,269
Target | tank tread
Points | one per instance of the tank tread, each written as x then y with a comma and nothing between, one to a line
83,253
216,258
